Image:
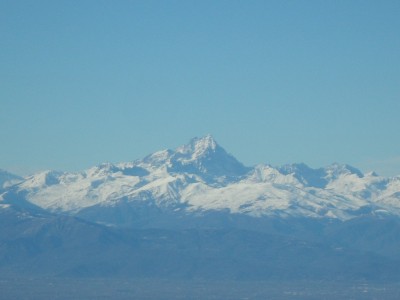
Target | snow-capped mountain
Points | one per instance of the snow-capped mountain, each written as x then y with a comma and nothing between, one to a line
180,213
201,177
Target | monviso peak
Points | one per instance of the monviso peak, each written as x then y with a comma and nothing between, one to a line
205,158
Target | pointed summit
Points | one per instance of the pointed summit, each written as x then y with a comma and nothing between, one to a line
203,156
199,146
206,141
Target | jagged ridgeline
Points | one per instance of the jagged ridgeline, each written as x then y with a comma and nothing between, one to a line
183,212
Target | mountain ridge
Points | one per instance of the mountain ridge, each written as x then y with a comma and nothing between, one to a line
197,213
201,176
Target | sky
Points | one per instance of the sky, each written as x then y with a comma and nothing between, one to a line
86,82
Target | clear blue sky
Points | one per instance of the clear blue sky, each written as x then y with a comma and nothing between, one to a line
85,82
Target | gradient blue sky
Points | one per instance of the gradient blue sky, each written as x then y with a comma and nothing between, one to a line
85,82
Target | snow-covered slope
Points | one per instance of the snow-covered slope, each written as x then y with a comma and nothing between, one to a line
201,177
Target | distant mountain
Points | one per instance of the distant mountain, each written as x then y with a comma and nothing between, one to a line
201,178
197,212
205,158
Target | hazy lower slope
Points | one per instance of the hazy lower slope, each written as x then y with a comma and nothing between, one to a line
46,245
7,179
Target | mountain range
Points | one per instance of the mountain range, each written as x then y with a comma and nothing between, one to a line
197,212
